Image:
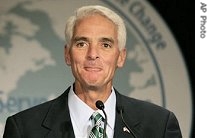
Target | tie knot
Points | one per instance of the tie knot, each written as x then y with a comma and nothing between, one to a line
97,118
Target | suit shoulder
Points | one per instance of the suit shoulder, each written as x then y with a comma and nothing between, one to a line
150,120
38,110
137,105
35,111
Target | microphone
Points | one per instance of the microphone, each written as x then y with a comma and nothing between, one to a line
100,105
120,109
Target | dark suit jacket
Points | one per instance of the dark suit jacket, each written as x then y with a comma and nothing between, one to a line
52,120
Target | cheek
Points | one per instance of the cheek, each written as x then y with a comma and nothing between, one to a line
111,63
75,63
75,60
75,56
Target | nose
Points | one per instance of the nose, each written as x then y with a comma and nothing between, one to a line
92,52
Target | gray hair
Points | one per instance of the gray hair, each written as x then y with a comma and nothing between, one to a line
96,9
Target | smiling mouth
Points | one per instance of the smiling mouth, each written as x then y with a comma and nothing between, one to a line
92,69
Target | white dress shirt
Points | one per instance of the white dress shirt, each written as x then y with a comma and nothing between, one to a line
80,114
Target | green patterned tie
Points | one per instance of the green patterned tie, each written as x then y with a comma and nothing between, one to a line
97,130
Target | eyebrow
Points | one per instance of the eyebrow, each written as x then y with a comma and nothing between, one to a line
78,38
103,39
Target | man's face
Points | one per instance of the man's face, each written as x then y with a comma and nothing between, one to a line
94,54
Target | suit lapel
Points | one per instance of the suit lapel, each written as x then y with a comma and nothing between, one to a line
57,119
120,128
58,123
119,131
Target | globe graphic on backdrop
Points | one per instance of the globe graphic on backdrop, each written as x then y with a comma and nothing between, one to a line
42,64
32,66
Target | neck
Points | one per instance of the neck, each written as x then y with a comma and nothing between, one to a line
91,94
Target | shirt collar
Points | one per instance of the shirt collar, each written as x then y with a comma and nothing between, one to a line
109,107
79,111
82,112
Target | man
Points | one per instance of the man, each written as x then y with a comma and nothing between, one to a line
95,48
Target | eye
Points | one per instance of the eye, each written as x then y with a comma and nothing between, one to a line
81,44
107,45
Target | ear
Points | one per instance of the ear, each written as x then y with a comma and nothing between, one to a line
121,58
67,55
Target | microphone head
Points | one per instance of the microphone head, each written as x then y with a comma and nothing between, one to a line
100,104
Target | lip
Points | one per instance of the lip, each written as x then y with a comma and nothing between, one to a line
92,69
